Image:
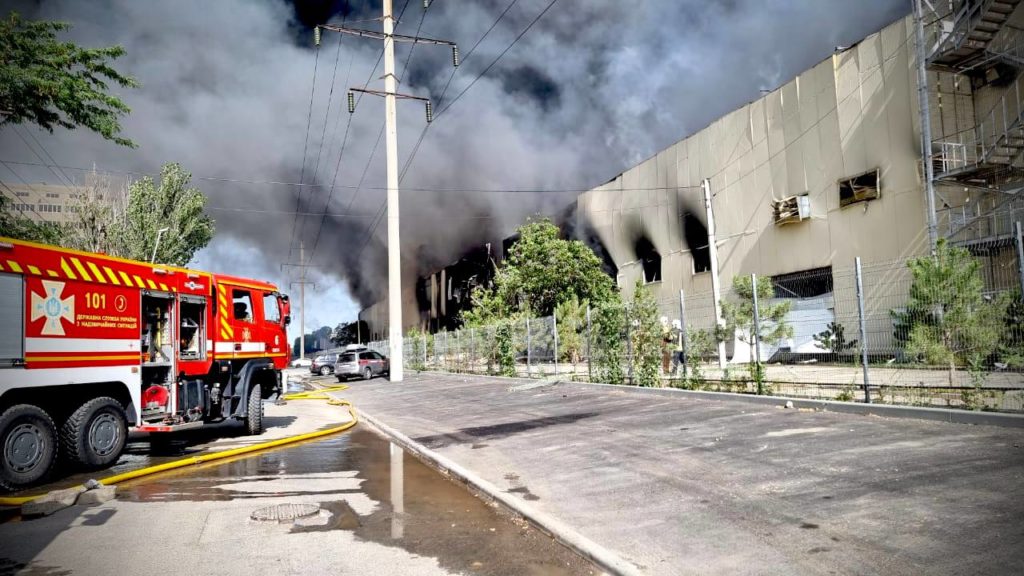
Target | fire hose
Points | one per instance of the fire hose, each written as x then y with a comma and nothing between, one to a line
320,394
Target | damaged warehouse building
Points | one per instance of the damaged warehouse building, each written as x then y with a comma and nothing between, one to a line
798,183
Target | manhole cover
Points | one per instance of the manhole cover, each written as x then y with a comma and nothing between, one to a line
284,512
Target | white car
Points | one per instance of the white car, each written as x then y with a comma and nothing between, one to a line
301,363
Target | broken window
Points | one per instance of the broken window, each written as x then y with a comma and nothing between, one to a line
697,241
792,209
804,284
650,259
859,188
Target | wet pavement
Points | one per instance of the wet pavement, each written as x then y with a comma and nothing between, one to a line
140,452
679,484
367,491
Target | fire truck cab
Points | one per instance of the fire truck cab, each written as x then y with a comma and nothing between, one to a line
92,345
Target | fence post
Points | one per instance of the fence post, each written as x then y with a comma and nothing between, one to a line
682,331
554,327
1020,255
528,375
426,341
458,351
756,337
629,351
472,350
590,370
863,330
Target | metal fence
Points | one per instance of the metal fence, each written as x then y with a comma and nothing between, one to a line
951,335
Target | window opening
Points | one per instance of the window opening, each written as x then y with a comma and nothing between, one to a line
271,308
242,305
859,188
650,259
696,235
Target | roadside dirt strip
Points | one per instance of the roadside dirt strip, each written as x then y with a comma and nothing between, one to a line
677,484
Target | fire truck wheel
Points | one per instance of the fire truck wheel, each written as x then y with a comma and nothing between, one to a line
95,434
254,421
29,440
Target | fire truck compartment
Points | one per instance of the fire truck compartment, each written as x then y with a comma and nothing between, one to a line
157,343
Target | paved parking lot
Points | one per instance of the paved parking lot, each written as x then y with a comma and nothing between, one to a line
678,485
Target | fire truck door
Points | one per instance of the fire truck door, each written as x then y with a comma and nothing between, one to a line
273,334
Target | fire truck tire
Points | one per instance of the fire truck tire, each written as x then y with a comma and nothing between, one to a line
95,434
254,421
28,438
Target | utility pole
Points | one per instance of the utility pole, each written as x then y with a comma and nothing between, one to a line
391,145
302,265
716,287
926,126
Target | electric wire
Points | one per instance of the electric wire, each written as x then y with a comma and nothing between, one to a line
327,205
354,186
305,147
383,207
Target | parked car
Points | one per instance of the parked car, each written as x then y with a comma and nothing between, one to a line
302,363
323,364
361,363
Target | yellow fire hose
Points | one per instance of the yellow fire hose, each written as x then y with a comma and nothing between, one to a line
320,394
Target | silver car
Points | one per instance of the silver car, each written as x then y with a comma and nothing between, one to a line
363,364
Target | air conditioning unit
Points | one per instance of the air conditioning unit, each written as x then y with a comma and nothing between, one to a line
792,209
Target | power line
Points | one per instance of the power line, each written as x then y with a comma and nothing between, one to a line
456,99
15,197
440,100
355,186
332,214
69,184
495,61
330,195
305,147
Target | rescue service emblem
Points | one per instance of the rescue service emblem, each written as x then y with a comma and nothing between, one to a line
52,307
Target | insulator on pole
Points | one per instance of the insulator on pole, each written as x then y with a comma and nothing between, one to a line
455,56
430,112
316,35
426,4
351,101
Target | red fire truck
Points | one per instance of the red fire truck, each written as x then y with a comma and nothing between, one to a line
91,344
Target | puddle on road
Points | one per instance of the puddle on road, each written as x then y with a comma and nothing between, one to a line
140,453
418,510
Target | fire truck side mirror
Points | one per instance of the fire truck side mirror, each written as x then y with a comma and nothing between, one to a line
287,320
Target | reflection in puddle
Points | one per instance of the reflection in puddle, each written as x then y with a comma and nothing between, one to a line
370,487
397,474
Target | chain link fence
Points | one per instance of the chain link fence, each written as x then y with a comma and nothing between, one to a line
946,331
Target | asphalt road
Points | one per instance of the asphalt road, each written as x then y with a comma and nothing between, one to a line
376,510
677,485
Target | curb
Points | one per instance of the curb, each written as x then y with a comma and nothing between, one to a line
883,410
950,416
559,530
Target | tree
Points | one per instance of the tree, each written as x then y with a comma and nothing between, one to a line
542,271
172,205
833,339
350,333
51,83
948,319
96,216
22,228
572,321
608,335
739,318
645,335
